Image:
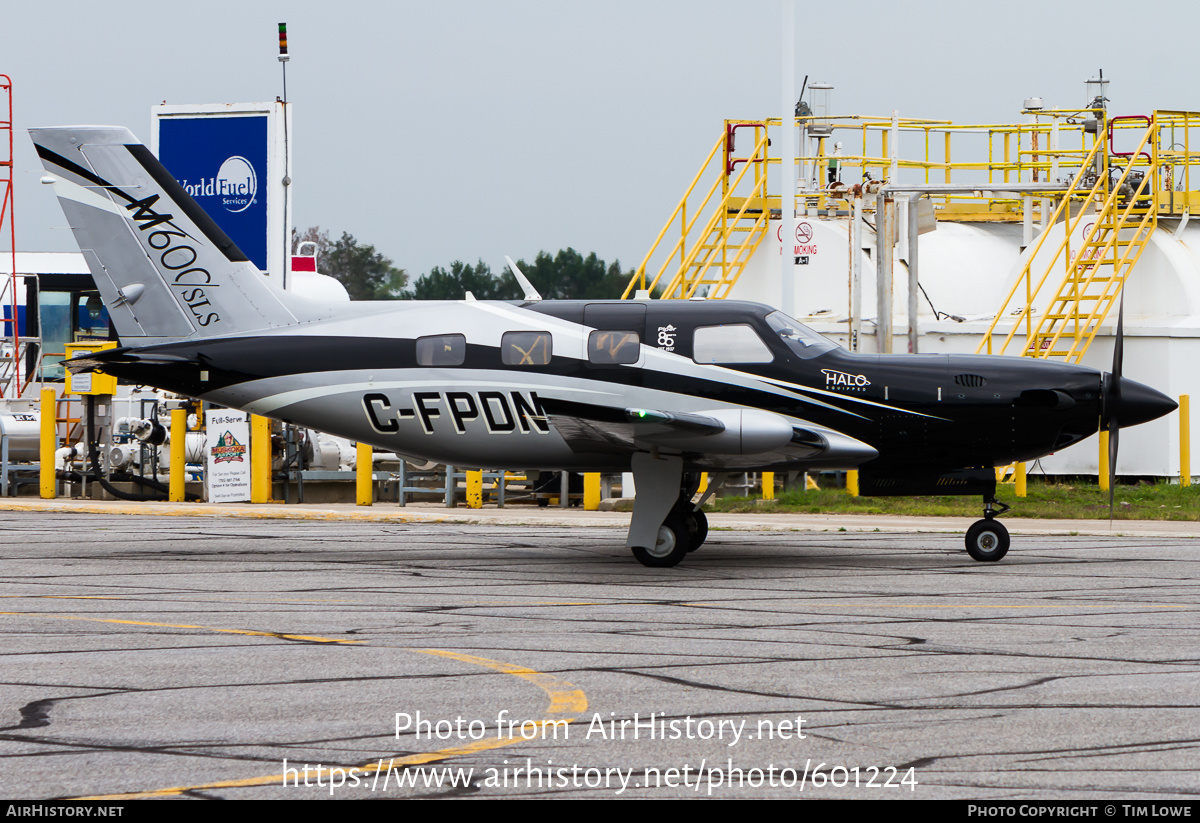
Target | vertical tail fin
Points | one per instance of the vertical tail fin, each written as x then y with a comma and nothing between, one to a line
165,270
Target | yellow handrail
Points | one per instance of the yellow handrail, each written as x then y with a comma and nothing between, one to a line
680,280
1031,293
1040,342
1109,207
682,207
687,286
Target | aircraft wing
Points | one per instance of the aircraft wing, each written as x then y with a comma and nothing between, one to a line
724,438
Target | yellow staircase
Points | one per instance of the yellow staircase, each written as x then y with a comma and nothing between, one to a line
1115,233
1097,270
720,230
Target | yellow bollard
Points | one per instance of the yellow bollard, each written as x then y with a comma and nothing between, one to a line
591,491
1185,440
768,485
364,475
1020,480
48,445
852,482
260,459
1104,478
474,490
175,490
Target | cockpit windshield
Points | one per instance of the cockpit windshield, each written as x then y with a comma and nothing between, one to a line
803,341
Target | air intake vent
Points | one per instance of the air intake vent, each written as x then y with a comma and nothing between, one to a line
975,381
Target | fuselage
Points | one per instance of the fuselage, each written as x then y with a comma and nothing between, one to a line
470,383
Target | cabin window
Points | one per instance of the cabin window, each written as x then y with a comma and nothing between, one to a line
608,347
738,343
441,350
525,348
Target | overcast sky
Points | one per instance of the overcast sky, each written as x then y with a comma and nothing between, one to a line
462,130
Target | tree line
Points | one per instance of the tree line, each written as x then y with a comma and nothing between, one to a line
369,275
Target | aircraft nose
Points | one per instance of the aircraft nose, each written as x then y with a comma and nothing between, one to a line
1141,404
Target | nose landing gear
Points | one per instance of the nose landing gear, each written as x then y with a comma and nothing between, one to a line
987,539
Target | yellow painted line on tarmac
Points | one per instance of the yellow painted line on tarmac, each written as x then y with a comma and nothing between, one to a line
562,699
150,599
364,770
565,698
246,632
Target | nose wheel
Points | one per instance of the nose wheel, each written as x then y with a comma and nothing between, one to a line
987,539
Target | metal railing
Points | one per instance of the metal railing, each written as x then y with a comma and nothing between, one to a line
1095,272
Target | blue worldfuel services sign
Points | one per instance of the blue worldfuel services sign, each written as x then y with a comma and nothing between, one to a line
222,162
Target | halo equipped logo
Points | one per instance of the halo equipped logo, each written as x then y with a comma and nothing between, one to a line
235,183
843,380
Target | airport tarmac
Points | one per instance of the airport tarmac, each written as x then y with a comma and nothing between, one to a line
445,653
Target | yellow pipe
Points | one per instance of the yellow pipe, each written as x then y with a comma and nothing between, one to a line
474,490
48,445
1020,480
1104,478
591,491
364,486
178,455
852,482
260,459
703,483
1185,440
768,485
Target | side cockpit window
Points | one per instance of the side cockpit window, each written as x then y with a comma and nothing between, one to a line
738,343
525,348
441,350
803,341
608,347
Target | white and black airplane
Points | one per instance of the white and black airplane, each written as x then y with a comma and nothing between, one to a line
667,389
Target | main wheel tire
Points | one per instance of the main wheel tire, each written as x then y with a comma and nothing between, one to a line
698,526
987,541
673,544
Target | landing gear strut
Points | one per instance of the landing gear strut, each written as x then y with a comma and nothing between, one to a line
987,539
683,529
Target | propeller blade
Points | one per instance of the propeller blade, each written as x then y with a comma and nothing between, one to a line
1114,434
1112,406
1119,344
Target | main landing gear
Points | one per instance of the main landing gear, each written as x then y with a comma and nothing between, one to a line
666,525
987,539
682,532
